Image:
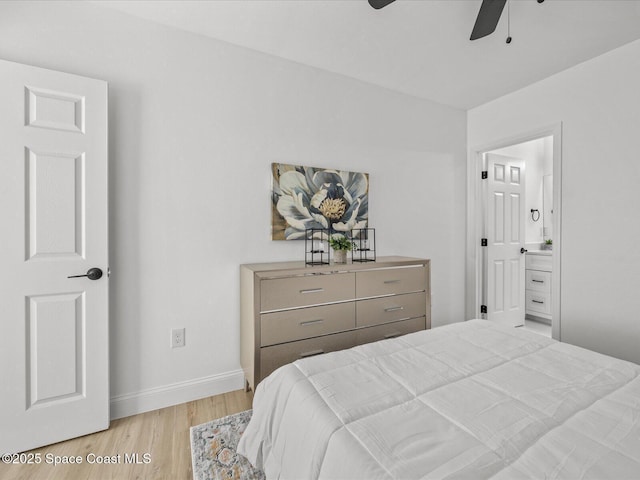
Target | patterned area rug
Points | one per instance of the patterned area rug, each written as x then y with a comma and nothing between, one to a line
213,450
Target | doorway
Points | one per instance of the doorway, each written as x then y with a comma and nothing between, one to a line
541,240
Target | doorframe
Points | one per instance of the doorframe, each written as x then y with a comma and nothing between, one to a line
474,276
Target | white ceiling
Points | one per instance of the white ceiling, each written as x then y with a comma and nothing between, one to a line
418,47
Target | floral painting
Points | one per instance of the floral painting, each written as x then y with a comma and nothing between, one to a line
309,197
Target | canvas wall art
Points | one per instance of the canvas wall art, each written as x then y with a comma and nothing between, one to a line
310,197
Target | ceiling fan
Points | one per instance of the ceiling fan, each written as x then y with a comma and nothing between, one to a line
486,22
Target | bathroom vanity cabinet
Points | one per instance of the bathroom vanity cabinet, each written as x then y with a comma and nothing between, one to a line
538,285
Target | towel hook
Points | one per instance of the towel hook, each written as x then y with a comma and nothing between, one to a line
533,214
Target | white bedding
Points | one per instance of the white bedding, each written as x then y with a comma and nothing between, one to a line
469,400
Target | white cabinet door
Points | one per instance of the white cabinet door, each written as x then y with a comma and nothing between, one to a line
505,237
53,205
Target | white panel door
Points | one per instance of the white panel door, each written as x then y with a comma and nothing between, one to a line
505,263
53,206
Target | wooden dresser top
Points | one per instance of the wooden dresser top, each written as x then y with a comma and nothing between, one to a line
299,267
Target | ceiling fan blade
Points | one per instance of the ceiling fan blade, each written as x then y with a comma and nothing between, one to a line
488,17
378,4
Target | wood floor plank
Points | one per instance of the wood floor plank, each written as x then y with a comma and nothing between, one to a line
162,434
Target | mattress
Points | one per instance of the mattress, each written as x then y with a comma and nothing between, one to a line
469,400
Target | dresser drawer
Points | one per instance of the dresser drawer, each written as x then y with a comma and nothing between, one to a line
389,330
289,310
390,281
388,309
538,281
278,355
290,325
538,262
279,293
538,302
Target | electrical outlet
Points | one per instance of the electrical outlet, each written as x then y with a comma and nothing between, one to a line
177,337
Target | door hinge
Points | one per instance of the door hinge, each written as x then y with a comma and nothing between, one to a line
485,174
483,309
483,242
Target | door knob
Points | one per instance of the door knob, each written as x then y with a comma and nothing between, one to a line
523,250
93,274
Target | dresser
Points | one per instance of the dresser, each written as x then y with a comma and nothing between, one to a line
538,285
290,311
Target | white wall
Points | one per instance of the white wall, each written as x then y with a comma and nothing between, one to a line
597,103
194,126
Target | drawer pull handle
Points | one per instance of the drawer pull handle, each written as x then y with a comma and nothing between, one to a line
392,335
393,309
311,322
387,282
538,281
312,353
537,301
312,290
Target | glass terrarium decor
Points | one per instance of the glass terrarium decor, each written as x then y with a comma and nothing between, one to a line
316,246
364,240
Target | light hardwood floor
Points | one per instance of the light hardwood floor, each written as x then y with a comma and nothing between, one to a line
163,434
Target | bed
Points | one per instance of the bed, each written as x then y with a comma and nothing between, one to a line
468,400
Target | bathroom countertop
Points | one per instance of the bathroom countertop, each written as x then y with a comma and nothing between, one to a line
539,252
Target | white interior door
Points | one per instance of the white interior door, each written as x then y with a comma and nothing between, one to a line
505,262
53,206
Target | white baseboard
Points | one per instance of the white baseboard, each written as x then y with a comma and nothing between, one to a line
175,394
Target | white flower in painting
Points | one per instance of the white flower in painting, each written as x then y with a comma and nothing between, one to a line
309,198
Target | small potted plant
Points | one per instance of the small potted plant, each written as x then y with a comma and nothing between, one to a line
548,244
341,245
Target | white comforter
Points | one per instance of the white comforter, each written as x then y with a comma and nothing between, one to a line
469,400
